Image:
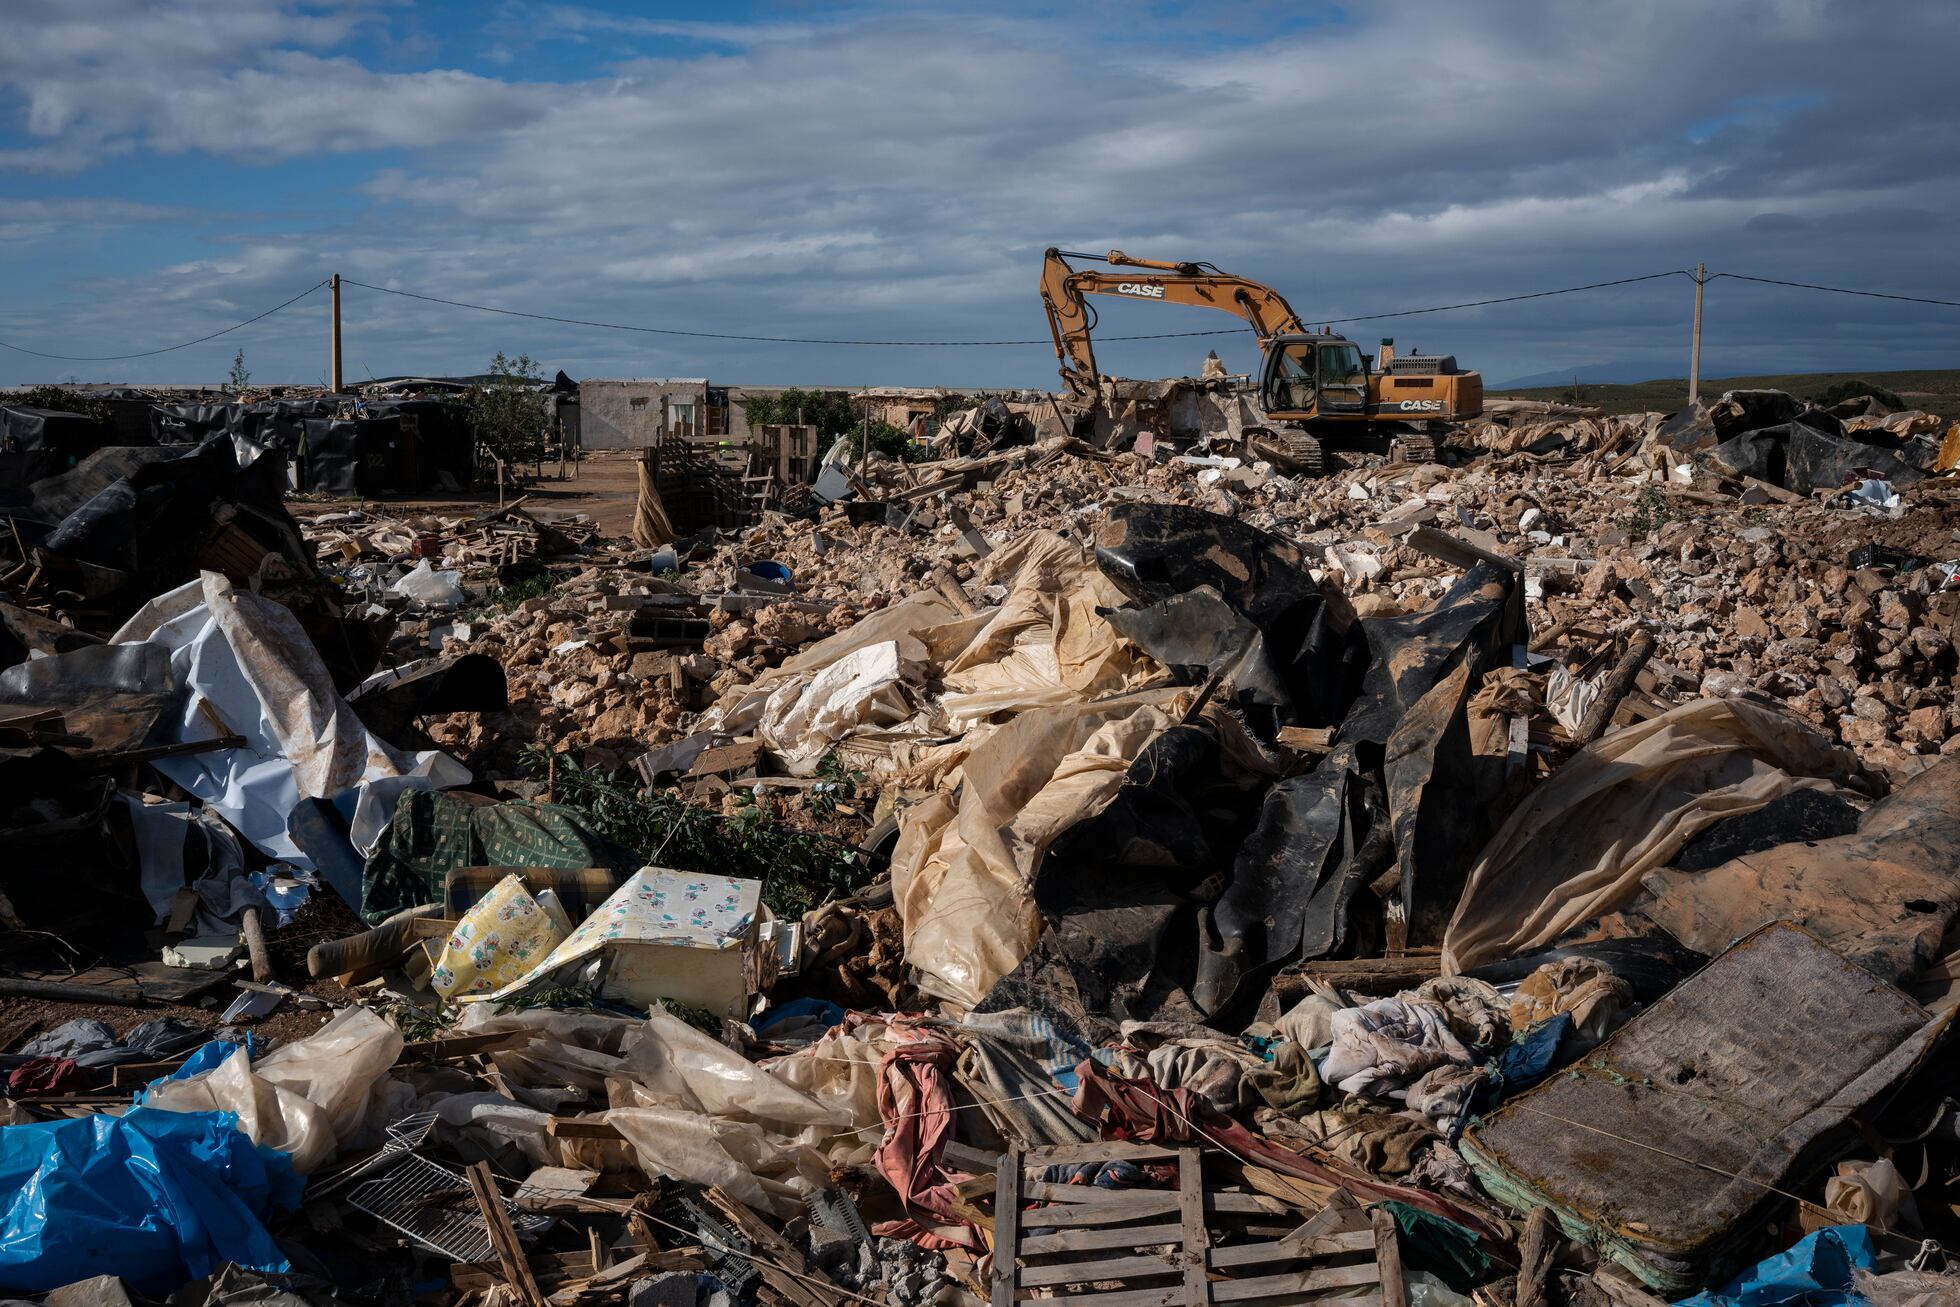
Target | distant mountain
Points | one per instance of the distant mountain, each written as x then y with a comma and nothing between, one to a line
1620,373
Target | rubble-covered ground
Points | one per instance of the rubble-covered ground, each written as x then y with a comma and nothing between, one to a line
1049,870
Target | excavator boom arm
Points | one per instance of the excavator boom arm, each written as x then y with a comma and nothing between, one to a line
1063,292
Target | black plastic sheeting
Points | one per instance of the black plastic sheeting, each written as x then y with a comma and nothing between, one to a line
40,442
128,524
1798,815
1211,867
1156,552
1799,457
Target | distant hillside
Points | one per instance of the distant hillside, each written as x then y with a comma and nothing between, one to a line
1935,391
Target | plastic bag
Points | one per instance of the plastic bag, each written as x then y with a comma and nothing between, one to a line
156,1198
428,586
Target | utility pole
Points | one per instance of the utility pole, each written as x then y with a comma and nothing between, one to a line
1694,351
336,332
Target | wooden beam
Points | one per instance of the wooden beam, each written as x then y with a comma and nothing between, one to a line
1191,1209
1007,1227
1388,1260
510,1253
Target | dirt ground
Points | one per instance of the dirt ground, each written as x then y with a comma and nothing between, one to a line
603,485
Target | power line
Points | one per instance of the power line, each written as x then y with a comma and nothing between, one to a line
767,340
948,344
148,353
1836,290
1510,299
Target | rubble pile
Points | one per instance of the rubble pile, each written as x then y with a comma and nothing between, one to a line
1116,868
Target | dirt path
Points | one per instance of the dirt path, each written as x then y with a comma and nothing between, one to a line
605,486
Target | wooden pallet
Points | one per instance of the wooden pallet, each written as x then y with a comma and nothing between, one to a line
1182,1248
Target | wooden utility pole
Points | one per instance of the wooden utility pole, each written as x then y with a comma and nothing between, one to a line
1694,350
338,330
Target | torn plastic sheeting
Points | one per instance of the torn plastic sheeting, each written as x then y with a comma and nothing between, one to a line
740,711
1198,635
963,868
1153,552
1883,897
249,660
156,1198
1577,846
308,1098
426,585
1045,644
1755,1071
1295,880
696,1111
1817,1271
873,686
171,837
1801,458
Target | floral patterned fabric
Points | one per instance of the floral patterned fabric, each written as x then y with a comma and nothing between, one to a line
679,909
499,940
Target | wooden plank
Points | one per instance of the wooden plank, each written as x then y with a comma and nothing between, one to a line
1085,1241
1388,1261
510,1253
1535,1252
1101,1150
420,1051
1249,1290
1191,1208
1047,1192
54,991
1245,1254
1158,1203
1007,1227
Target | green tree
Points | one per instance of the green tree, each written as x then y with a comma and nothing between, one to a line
507,414
240,378
62,400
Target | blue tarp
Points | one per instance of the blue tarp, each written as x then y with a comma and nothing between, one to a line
1815,1272
157,1198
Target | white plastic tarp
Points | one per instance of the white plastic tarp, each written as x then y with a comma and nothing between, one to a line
252,671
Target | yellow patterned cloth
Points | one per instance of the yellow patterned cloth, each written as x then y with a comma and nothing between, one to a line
497,941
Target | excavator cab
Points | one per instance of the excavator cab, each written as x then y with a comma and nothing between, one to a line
1316,376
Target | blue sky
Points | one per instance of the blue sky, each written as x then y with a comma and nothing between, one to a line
893,171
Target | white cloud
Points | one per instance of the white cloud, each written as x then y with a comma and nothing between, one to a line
872,177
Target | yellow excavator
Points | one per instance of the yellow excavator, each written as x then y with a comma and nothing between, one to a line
1311,383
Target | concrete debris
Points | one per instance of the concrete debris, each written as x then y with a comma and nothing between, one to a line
1527,844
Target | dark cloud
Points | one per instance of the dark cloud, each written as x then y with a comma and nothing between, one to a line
896,175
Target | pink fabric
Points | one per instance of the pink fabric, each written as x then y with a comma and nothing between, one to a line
915,1100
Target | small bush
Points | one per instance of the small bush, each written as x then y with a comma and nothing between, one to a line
507,414
64,401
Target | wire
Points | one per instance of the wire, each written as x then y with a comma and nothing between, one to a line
1835,290
148,353
766,340
1512,299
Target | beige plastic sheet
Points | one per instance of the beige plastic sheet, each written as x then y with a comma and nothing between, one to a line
308,1098
1044,644
964,865
920,668
694,1110
1579,844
